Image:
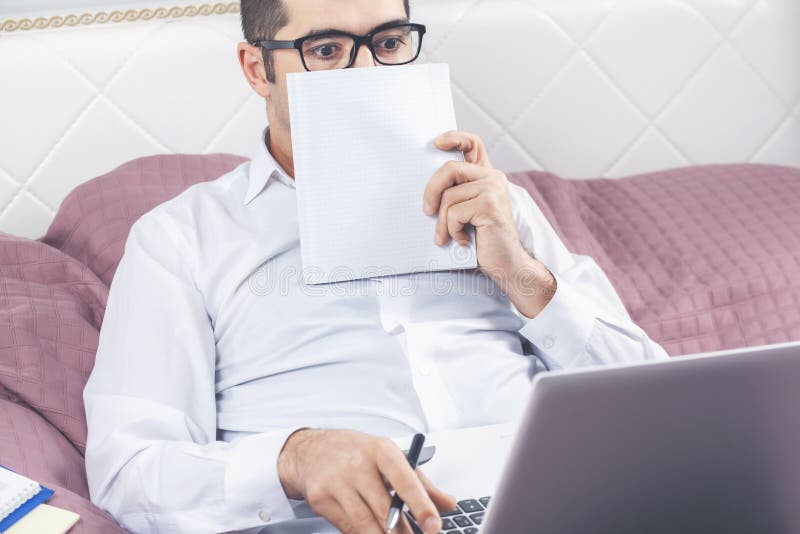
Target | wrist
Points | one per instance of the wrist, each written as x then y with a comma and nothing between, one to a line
530,286
510,266
290,459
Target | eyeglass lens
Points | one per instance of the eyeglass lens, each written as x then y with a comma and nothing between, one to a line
392,46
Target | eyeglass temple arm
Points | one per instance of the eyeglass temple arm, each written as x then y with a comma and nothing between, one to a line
275,45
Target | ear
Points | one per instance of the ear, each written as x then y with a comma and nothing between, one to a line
252,62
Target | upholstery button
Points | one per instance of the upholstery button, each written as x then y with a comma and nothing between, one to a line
263,515
424,370
548,342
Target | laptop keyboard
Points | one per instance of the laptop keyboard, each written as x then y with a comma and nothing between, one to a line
466,518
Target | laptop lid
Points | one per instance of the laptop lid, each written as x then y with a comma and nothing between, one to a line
693,445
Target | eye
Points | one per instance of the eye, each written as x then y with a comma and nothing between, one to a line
391,43
326,51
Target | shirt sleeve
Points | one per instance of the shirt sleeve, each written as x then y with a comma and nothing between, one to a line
152,457
585,323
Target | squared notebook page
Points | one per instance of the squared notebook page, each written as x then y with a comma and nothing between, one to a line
363,150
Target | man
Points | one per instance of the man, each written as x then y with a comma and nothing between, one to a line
220,397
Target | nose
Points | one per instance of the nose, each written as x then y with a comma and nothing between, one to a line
364,57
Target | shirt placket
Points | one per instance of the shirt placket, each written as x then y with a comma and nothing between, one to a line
398,296
438,405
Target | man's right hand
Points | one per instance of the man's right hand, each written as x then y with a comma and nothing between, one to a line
345,476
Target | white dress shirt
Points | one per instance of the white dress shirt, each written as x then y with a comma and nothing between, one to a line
213,351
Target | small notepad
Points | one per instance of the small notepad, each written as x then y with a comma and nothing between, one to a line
362,141
45,519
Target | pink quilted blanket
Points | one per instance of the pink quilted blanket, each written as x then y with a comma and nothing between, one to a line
704,258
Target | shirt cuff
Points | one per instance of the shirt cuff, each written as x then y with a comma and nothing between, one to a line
253,489
562,329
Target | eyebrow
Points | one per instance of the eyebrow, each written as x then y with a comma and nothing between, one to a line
325,31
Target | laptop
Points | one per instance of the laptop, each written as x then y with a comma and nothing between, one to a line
696,444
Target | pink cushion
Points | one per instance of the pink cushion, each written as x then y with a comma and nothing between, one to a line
51,308
33,447
93,221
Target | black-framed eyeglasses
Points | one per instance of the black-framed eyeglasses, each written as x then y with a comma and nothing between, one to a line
394,43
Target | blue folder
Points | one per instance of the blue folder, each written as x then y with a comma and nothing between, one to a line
30,504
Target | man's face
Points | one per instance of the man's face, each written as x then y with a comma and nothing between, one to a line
308,16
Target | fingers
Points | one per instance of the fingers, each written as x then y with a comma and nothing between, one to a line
349,514
458,217
374,492
405,526
443,501
470,144
394,466
360,516
450,174
451,197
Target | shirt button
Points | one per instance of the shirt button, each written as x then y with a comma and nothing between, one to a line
263,515
548,342
424,370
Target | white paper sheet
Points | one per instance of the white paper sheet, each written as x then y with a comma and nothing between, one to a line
363,153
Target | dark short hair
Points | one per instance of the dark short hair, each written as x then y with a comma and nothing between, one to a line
262,19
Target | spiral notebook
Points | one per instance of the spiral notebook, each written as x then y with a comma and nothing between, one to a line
362,141
18,496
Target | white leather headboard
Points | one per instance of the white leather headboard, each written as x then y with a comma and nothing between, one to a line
582,88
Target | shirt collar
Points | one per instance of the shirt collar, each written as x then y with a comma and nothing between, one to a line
263,167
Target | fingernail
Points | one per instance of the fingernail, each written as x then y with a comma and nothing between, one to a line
427,208
432,525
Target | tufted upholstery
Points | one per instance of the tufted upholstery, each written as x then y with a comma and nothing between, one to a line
580,88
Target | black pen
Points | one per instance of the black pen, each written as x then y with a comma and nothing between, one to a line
397,501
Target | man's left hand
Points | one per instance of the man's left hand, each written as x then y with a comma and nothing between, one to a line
473,192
